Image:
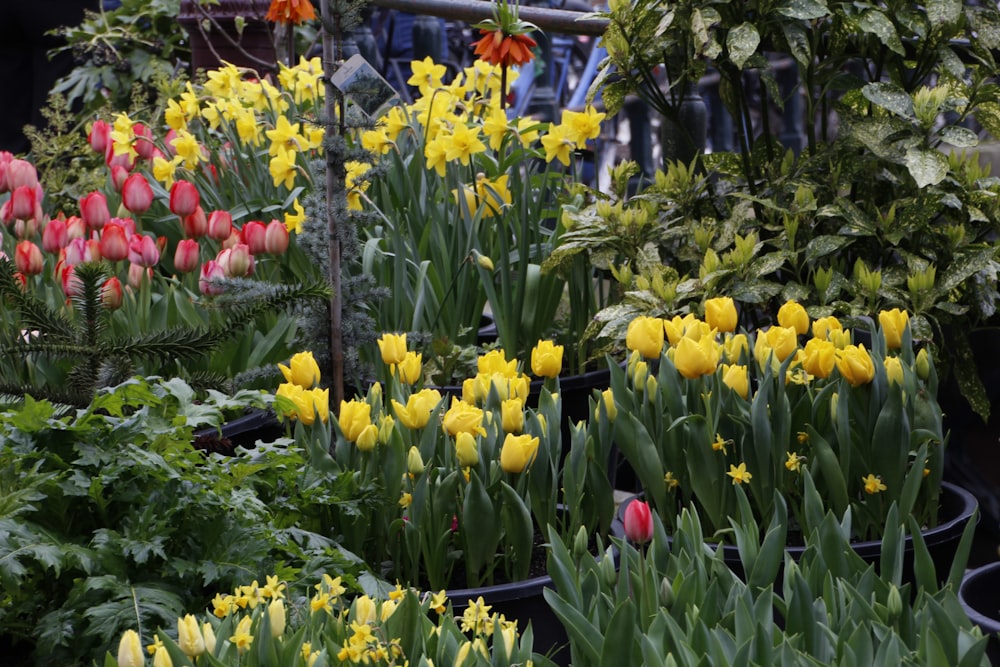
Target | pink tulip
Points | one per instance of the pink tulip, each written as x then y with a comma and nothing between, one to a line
55,235
111,293
26,229
211,274
21,204
99,135
252,234
638,522
142,250
237,261
143,140
186,257
5,159
78,251
184,198
195,225
137,196
70,283
276,238
112,159
114,243
28,258
136,274
94,210
76,228
21,172
119,175
220,225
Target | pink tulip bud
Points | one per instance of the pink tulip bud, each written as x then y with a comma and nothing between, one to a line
99,135
28,258
136,274
94,250
114,243
76,228
638,522
220,225
123,160
168,140
186,257
233,240
22,204
211,274
21,281
236,262
94,210
21,172
137,196
252,234
71,285
142,250
276,238
54,235
184,198
195,225
26,229
78,251
119,175
5,159
111,293
143,141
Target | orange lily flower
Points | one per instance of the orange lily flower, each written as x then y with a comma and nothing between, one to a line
290,11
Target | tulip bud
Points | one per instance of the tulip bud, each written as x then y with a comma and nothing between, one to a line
834,403
414,464
54,235
720,313
189,636
253,234
608,572
143,141
209,634
923,364
793,315
385,428
580,543
98,136
512,415
21,205
162,658
651,387
235,261
130,650
137,196
894,604
94,210
184,199
638,522
137,273
393,348
70,283
21,173
466,450
645,335
518,452
196,224
28,258
367,438
76,228
142,250
639,376
114,243
211,274
276,614
276,238
608,399
111,293
411,369
894,370
546,359
186,257
220,225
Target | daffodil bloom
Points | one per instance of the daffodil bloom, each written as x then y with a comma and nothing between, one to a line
186,147
164,170
873,484
284,137
242,637
720,445
462,144
582,125
376,140
739,473
435,152
293,221
558,144
426,74
476,616
283,169
793,462
670,481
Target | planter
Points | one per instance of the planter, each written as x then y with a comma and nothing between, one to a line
957,508
213,35
245,431
979,595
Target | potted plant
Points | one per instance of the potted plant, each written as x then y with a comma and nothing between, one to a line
702,413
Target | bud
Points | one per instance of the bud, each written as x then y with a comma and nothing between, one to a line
923,364
28,258
894,603
275,238
55,235
142,250
651,387
189,636
130,650
114,243
184,198
94,210
186,257
385,428
921,281
639,377
484,261
137,196
367,438
666,593
580,543
111,293
195,225
414,464
466,450
834,401
211,274
253,234
608,398
894,370
220,225
276,614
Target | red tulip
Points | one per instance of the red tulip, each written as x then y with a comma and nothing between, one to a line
211,274
99,135
195,225
114,243
137,196
220,225
94,210
76,228
119,175
111,293
276,237
252,234
5,159
21,172
21,204
184,198
143,140
26,229
186,256
21,281
638,522
142,250
55,235
28,258
70,283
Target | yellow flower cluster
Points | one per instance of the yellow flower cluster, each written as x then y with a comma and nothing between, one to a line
304,400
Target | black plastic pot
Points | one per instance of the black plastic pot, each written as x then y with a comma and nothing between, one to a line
979,595
251,47
957,508
243,431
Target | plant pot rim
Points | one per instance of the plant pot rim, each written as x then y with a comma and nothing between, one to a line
512,590
975,580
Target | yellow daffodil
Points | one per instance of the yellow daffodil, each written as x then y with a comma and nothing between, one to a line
873,484
739,473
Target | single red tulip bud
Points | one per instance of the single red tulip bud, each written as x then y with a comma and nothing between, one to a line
22,204
119,175
252,235
211,273
195,225
70,283
111,293
638,522
114,243
5,159
28,258
186,257
94,210
220,225
55,235
184,198
99,135
143,141
142,250
276,238
137,196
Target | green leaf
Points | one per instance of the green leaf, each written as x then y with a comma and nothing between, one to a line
742,41
619,640
804,9
927,167
943,12
960,137
874,21
889,96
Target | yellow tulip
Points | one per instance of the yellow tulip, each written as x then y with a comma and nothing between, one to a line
161,658
417,411
782,340
367,438
463,418
608,398
364,610
276,615
209,634
189,636
546,359
736,378
822,327
734,347
414,462
466,450
517,452
512,415
321,402
893,323
355,415
645,335
894,370
302,370
130,650
818,357
495,361
411,368
720,313
855,364
393,348
694,359
794,316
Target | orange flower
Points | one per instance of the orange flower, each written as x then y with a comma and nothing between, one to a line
498,48
290,11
